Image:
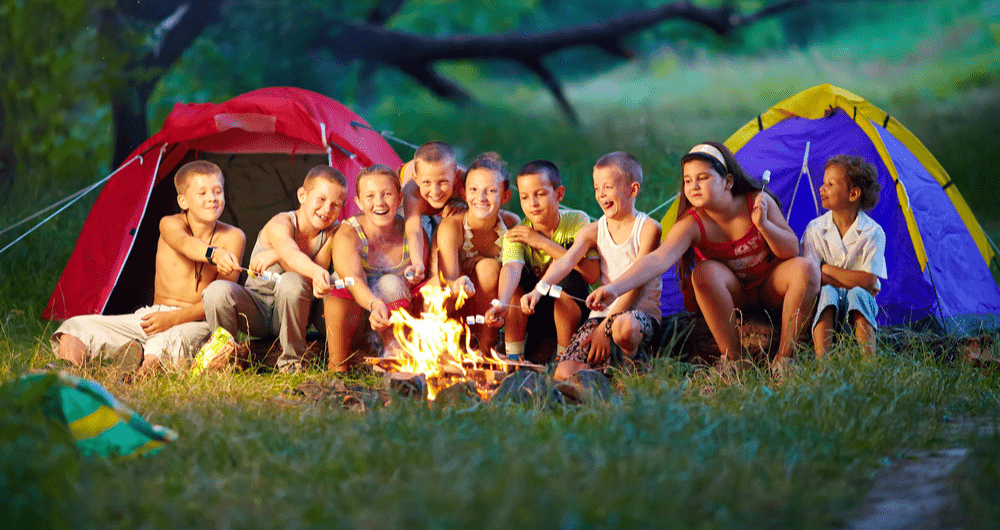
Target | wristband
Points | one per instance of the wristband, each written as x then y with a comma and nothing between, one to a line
542,287
610,321
209,253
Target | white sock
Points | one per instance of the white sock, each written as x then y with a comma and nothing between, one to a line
515,349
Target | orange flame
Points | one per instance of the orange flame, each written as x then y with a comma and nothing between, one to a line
432,344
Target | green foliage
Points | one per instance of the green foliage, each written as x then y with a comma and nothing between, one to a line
54,68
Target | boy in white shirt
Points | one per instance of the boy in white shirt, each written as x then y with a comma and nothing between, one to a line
850,248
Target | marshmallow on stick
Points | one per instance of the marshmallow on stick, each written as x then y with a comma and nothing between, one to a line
475,319
267,276
765,179
345,282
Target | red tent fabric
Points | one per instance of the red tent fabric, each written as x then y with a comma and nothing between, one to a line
245,136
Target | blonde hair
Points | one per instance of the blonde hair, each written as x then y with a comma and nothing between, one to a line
324,172
182,179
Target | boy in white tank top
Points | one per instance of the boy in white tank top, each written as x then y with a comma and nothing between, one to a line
622,235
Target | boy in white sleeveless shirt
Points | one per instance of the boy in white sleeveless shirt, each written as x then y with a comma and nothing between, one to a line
622,235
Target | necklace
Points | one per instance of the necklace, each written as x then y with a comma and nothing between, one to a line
200,266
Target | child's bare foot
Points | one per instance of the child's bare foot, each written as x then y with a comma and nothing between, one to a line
150,365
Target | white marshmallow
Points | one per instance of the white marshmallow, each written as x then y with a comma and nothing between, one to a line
555,291
495,303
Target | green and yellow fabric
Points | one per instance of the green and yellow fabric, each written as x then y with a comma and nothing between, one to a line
100,424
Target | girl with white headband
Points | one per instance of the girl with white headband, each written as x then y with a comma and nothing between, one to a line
734,250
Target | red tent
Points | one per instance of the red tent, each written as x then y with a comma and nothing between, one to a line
265,141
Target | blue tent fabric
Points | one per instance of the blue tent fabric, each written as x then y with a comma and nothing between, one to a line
956,281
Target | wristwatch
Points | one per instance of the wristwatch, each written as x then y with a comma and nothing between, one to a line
209,253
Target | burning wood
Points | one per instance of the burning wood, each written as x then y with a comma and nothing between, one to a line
433,346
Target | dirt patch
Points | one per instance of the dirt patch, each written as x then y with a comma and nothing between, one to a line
915,493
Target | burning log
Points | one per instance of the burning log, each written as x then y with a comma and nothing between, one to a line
408,384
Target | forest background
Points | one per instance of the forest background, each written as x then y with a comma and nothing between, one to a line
69,66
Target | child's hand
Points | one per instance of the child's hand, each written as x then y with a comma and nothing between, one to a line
464,284
759,212
158,321
526,235
600,346
263,260
225,262
379,317
321,284
529,300
601,298
414,273
495,316
453,207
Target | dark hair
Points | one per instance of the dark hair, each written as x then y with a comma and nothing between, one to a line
743,184
434,152
542,167
326,173
860,174
182,179
490,161
625,164
377,169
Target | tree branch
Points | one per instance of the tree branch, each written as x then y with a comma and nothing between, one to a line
416,55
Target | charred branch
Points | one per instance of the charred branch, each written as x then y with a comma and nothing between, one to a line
416,55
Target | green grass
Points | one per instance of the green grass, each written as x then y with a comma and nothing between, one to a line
677,450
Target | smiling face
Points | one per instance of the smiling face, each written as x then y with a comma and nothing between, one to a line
379,198
436,182
321,203
484,191
539,200
203,199
835,194
703,185
614,193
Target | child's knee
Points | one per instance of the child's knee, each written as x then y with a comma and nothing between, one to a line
391,288
292,286
807,271
220,293
626,328
705,274
488,273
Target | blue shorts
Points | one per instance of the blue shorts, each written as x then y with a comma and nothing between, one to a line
843,301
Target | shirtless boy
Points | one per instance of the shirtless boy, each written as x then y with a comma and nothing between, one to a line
193,250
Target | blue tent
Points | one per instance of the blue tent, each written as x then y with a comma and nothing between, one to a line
937,253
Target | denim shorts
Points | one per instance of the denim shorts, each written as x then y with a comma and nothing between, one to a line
844,301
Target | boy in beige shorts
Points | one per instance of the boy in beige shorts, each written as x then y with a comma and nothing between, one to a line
193,250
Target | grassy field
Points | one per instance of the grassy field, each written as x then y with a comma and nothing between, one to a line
673,450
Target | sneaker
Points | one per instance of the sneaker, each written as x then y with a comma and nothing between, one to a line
127,358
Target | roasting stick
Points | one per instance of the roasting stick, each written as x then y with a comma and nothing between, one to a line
267,276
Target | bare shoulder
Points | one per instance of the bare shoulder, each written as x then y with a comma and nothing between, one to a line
510,219
173,222
588,232
651,226
231,234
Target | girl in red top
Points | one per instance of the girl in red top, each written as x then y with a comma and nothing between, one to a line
734,250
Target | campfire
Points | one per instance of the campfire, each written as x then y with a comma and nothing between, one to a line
433,346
